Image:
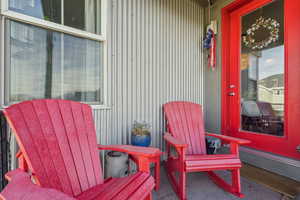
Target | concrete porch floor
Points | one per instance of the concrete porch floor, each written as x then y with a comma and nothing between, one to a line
200,187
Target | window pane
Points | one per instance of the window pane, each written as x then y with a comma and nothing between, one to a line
83,14
47,64
34,60
262,70
82,69
44,9
80,14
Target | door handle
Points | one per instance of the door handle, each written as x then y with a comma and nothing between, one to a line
231,94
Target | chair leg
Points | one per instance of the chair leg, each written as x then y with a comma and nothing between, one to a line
182,185
178,186
149,197
234,188
157,174
236,181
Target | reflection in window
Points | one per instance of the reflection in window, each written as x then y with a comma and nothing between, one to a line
48,64
262,70
84,15
80,14
82,71
49,10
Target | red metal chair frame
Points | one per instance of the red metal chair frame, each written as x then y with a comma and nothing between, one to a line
187,136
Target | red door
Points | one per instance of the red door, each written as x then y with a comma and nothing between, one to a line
261,74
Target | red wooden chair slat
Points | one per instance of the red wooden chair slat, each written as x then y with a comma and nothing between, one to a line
213,163
140,193
175,119
131,188
91,135
35,130
57,140
210,157
94,192
64,147
191,128
74,143
184,122
118,186
84,142
187,135
54,152
197,117
28,144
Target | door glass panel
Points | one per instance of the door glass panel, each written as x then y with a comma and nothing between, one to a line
262,70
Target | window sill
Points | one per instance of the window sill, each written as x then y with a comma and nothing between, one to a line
100,107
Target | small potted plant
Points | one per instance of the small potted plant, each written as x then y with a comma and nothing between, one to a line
140,135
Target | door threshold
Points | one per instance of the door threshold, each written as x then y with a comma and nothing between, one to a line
270,156
275,182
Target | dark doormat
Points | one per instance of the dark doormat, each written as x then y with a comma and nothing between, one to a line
281,184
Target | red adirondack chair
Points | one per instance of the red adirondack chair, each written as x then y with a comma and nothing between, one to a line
186,134
58,150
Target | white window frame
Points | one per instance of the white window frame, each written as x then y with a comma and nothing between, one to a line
5,13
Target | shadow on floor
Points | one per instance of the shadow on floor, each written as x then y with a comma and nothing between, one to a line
200,187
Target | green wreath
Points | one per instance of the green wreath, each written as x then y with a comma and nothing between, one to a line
270,24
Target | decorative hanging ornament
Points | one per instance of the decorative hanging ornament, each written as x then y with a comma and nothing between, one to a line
210,44
207,40
269,24
212,55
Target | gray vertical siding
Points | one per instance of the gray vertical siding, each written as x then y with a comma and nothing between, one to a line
154,56
212,79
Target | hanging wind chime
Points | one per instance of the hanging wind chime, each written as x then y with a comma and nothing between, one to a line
209,42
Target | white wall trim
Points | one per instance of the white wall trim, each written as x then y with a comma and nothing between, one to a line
2,76
51,25
5,13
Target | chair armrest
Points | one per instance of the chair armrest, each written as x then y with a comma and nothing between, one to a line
174,141
148,152
22,188
21,161
229,139
143,154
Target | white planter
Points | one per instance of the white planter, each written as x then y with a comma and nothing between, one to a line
116,164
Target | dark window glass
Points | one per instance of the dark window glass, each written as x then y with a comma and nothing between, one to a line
84,15
80,14
49,10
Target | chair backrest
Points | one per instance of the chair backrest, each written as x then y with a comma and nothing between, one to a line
58,141
185,122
